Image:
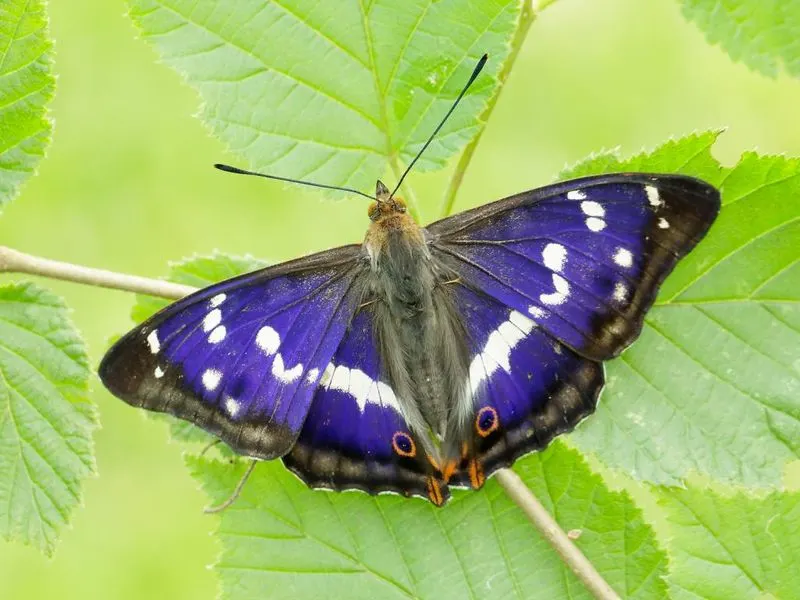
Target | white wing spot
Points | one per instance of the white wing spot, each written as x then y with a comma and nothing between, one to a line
232,406
311,377
623,257
386,397
620,292
217,335
555,256
217,300
560,295
326,375
268,340
663,223
212,319
593,209
211,379
284,374
653,197
536,311
361,387
524,323
576,195
340,380
595,224
152,341
159,372
497,351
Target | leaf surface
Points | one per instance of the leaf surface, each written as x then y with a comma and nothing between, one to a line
762,35
46,419
26,87
713,384
287,541
333,91
732,545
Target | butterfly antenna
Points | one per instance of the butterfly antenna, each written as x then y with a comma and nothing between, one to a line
238,171
236,492
472,78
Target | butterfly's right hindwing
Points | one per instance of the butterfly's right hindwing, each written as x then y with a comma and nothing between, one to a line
356,435
243,358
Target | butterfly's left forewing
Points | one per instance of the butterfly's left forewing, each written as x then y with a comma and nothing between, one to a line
583,258
242,358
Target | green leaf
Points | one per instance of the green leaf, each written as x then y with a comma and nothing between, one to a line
287,541
26,86
762,35
46,419
713,384
333,91
732,546
197,271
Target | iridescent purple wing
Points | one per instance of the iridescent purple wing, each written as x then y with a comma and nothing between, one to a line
355,435
526,386
583,258
243,358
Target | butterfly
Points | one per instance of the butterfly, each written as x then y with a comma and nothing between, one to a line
423,358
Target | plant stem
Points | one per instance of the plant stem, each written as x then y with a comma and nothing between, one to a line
555,536
530,9
12,261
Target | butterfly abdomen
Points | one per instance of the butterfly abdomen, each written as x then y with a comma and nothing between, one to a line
420,335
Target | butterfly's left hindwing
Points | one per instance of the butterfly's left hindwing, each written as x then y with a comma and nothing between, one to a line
526,386
242,358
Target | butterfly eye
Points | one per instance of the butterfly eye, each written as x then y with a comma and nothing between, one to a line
399,205
374,211
486,421
403,444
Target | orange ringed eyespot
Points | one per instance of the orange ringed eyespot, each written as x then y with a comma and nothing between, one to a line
403,444
486,421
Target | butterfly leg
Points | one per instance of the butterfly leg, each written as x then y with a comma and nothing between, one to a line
209,446
236,492
451,281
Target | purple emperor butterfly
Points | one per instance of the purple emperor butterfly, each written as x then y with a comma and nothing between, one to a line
424,357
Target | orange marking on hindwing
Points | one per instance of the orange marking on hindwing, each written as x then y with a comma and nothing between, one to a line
435,492
476,476
448,470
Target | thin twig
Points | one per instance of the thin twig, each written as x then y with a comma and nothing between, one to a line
555,536
530,9
14,261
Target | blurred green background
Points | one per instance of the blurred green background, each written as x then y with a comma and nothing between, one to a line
127,185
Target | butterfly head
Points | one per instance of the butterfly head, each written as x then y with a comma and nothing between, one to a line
385,206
